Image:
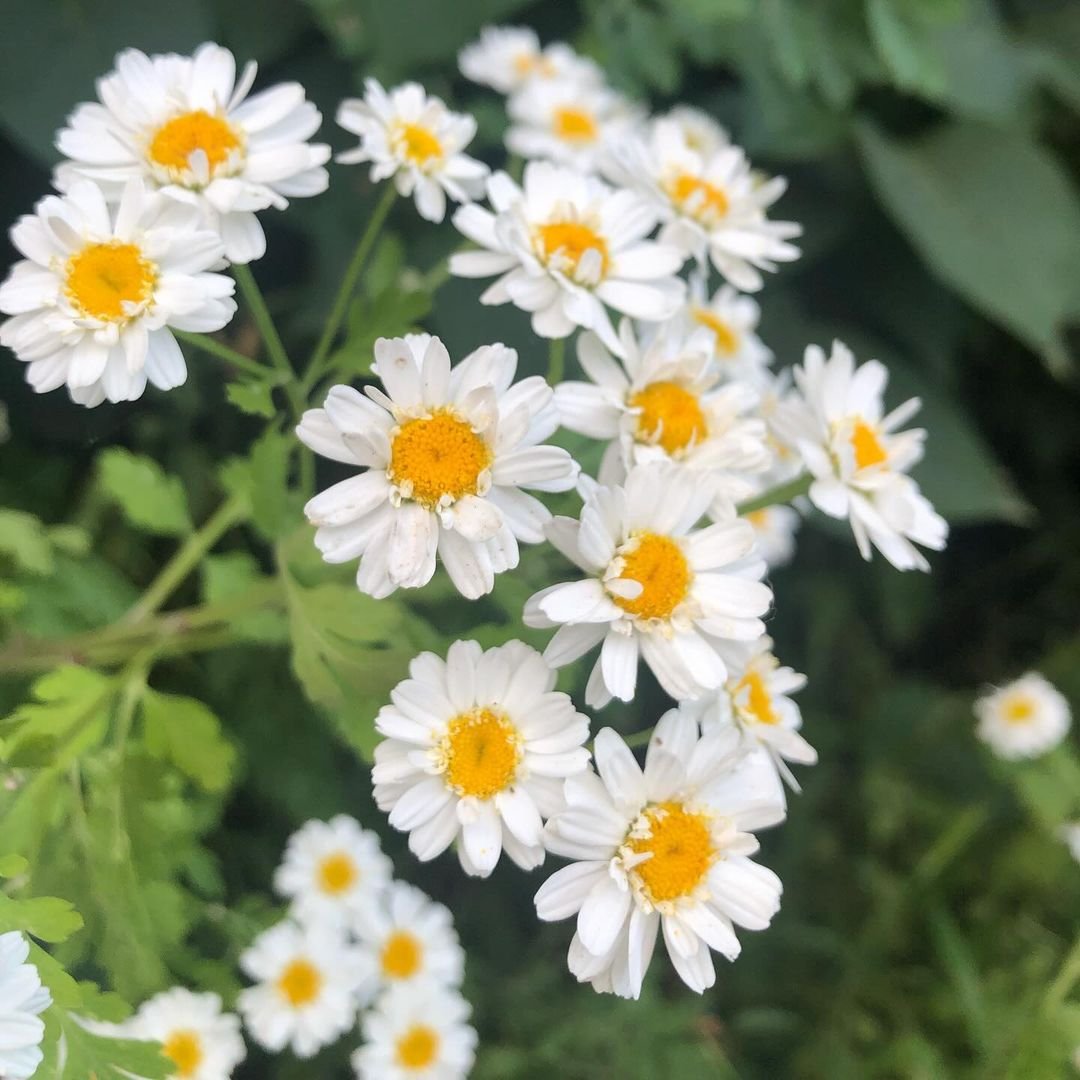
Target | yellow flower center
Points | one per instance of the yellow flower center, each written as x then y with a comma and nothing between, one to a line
437,458
658,563
697,197
177,139
867,446
758,702
758,518
526,64
680,850
568,241
670,415
1019,710
300,983
184,1050
417,143
418,1047
575,125
727,341
401,955
482,750
103,279
337,873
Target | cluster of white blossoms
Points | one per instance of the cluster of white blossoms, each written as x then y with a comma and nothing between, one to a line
22,1001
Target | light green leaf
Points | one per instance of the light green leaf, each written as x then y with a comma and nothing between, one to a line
908,46
24,540
254,397
45,917
12,866
232,574
185,732
263,478
89,1056
150,499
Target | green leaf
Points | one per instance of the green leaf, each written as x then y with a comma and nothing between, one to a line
232,574
185,732
263,478
908,46
150,499
90,1056
46,917
24,540
254,397
12,866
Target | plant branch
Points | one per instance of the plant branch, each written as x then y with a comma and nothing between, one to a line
556,361
213,347
782,493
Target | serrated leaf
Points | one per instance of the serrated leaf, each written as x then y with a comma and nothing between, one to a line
47,918
91,1056
263,479
150,499
231,575
185,732
254,397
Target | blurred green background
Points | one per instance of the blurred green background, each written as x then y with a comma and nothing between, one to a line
933,148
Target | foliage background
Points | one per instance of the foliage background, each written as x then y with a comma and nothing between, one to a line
929,926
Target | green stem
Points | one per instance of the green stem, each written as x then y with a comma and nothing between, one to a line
782,493
556,361
213,347
347,287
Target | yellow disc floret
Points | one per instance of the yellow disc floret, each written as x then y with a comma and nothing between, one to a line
417,144
300,983
437,459
758,702
481,750
418,1047
184,1050
337,873
566,242
727,341
680,852
575,125
698,198
659,565
670,415
103,280
1019,710
401,955
867,446
177,139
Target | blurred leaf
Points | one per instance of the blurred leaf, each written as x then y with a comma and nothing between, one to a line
87,1056
185,732
254,397
45,917
908,46
231,575
23,538
150,498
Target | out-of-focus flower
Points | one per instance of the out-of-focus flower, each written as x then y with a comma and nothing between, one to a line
1070,833
507,58
774,529
699,130
22,1001
1023,719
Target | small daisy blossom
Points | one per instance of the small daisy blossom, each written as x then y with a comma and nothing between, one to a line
564,245
417,140
655,586
664,847
411,940
95,301
186,125
774,529
477,745
306,992
447,453
416,1033
1024,719
201,1041
1070,833
506,58
22,1001
712,204
333,871
859,459
699,130
665,401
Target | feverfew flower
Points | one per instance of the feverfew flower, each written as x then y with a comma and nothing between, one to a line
477,744
858,458
201,1041
96,299
447,453
333,871
655,585
306,993
666,401
661,848
506,58
185,125
416,1033
774,531
1024,719
415,139
1070,833
699,130
22,1001
565,245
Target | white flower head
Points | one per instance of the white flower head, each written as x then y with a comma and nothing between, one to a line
774,530
712,203
418,141
565,245
22,1001
447,452
411,941
506,58
417,1033
858,458
95,301
664,847
201,1041
186,125
333,871
1023,719
700,132
666,401
477,745
1070,833
655,586
307,987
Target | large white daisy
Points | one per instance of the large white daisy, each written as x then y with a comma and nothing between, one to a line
655,586
507,58
661,848
186,125
417,140
447,453
95,300
22,1001
1023,719
477,745
565,245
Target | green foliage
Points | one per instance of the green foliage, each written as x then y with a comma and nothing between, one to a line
185,732
150,499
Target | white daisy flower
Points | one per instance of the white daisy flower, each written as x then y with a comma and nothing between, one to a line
699,130
186,126
565,245
1070,833
447,453
417,140
506,58
859,459
477,744
568,123
411,940
100,290
416,1033
666,401
655,586
22,1001
1024,719
333,871
664,847
713,205
307,987
774,531
201,1041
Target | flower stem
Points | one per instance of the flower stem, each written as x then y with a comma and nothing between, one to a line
782,493
212,347
556,361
